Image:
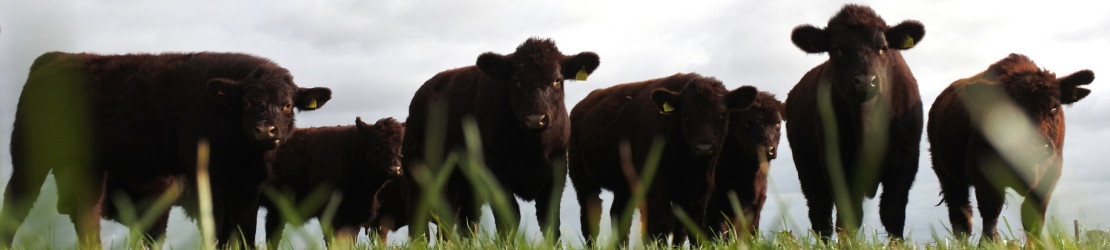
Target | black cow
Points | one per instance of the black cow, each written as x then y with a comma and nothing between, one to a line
352,161
976,142
516,101
111,125
689,111
752,142
854,122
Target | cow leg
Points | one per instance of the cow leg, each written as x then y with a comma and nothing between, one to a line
959,206
275,228
23,188
659,219
820,216
547,210
383,232
850,216
990,206
345,235
589,203
1032,214
717,212
468,214
588,193
241,216
896,191
507,226
621,227
158,229
85,215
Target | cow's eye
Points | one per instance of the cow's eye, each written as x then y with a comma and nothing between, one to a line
288,107
557,83
1055,109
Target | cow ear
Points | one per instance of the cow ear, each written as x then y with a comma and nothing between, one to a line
580,66
740,98
664,100
905,35
223,91
495,66
810,39
1069,86
312,99
359,123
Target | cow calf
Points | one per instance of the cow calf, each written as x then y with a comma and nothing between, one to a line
352,161
1002,128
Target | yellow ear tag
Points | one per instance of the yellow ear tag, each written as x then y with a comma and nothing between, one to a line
312,104
907,42
667,108
581,75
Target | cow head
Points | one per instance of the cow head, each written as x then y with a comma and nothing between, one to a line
264,102
535,74
1041,95
702,109
757,128
380,146
861,48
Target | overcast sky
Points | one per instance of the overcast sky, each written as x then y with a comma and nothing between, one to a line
375,54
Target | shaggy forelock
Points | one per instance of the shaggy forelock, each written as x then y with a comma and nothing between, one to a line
539,52
768,105
857,15
389,129
708,87
1025,82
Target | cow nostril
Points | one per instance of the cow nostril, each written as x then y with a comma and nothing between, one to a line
865,81
536,121
263,132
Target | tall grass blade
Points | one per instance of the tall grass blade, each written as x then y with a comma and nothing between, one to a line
204,195
639,189
841,193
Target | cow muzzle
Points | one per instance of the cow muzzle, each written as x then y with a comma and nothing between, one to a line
536,122
866,83
395,170
266,136
704,149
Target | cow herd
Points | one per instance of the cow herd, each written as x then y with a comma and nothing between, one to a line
127,127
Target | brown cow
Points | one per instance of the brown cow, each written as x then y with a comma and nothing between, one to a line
516,101
353,161
967,150
854,122
753,140
689,111
111,125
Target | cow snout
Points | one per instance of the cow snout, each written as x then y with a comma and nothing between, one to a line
866,83
536,121
395,170
703,149
264,133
